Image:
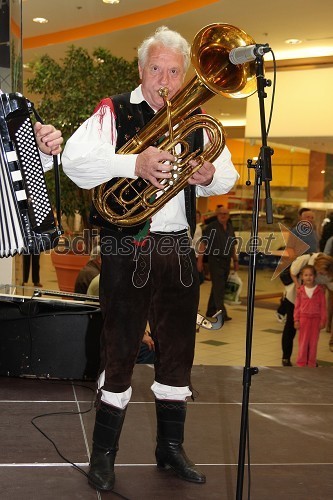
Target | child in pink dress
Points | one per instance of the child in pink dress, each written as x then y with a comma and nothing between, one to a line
309,317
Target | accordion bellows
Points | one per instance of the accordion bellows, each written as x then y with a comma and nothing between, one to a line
27,222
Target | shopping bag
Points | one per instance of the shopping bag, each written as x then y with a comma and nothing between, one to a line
233,289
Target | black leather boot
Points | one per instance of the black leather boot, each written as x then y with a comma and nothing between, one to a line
108,425
170,436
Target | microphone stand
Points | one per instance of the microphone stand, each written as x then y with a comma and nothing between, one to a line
263,173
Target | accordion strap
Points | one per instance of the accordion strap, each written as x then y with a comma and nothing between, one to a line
55,171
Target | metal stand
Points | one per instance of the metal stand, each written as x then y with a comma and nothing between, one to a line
263,173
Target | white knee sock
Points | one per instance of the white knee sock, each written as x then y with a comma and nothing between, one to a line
117,399
162,391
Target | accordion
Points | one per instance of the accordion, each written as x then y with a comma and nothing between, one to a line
27,222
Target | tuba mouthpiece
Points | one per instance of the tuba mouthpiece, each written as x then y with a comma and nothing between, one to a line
164,92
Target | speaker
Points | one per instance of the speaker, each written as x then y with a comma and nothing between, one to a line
49,338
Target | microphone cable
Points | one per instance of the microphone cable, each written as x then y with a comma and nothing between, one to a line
273,93
62,413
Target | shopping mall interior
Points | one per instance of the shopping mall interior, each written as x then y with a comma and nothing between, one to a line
50,336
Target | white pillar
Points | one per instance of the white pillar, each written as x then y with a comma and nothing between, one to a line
6,271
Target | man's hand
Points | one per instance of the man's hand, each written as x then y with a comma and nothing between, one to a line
204,175
48,138
149,165
146,339
200,266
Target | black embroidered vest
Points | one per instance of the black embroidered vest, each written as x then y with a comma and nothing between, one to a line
130,118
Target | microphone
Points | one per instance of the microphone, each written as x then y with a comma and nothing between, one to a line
241,55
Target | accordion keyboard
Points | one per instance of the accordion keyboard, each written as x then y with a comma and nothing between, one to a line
27,222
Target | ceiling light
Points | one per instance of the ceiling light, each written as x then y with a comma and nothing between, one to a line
292,41
40,20
110,1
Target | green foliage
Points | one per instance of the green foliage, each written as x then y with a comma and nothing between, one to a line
66,93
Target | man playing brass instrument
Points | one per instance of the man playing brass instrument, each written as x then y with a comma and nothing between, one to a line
145,275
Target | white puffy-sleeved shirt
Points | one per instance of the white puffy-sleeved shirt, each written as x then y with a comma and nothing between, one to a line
47,161
89,159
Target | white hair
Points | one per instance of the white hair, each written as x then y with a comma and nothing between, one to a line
168,38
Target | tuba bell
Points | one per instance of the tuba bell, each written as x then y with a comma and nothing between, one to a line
134,201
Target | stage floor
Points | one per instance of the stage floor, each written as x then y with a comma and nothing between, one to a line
290,424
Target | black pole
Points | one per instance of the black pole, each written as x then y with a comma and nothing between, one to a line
262,174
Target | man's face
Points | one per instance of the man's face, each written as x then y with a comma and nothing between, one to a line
307,215
222,215
164,68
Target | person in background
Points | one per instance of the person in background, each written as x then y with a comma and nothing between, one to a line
213,217
139,282
220,242
31,260
323,265
196,241
208,220
326,233
198,231
329,251
89,271
146,353
309,316
93,288
303,232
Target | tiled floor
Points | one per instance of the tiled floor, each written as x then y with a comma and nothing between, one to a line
290,421
226,346
290,424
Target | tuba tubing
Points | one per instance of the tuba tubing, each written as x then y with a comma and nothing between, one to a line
146,204
215,75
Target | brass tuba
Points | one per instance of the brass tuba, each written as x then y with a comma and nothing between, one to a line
134,201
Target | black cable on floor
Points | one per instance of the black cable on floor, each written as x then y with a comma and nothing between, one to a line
43,415
64,413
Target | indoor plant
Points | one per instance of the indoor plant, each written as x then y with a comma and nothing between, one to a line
65,93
